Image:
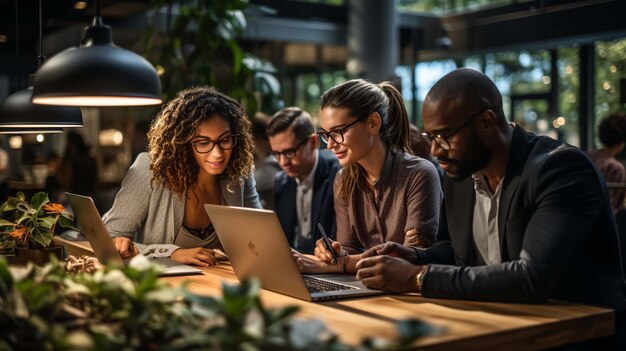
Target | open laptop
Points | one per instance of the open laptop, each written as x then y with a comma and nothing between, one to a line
91,226
257,247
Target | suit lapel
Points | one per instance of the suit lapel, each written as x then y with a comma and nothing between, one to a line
515,164
460,199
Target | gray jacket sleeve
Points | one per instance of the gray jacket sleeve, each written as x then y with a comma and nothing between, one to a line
128,214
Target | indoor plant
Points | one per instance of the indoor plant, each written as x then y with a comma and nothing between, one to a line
26,228
130,308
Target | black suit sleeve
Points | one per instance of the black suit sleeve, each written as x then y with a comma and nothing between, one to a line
564,200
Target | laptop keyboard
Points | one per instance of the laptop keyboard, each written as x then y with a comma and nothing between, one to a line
317,285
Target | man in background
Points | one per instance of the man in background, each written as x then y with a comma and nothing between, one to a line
304,188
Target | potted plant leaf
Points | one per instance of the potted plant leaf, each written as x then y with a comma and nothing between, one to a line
129,308
27,227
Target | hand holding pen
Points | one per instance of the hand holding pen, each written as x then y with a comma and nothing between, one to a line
325,249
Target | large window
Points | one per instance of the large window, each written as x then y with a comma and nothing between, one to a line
610,70
440,7
426,75
305,89
569,90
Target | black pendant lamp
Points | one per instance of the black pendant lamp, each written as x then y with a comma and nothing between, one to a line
18,112
97,73
31,131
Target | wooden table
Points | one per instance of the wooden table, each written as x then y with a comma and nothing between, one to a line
466,325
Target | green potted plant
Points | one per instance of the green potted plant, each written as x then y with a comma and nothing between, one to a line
129,308
27,227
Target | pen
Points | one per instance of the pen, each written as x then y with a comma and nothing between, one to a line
327,242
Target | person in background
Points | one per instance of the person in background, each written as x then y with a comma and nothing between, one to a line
265,165
52,187
200,152
421,147
612,134
303,190
528,217
383,193
78,171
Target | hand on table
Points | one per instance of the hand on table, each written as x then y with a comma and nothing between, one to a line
125,247
312,265
392,249
391,274
197,256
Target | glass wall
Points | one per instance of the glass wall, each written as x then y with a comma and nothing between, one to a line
305,88
440,7
568,93
426,75
524,78
610,72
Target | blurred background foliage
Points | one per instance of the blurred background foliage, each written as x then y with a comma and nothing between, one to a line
197,45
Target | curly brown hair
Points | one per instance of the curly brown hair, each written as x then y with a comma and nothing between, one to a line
169,138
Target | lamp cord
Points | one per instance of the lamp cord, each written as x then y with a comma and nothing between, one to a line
40,58
98,8
17,45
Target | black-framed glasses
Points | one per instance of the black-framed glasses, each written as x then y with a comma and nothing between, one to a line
442,140
206,145
337,134
289,153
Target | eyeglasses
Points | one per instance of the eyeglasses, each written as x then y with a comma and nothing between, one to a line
442,140
337,134
289,153
206,145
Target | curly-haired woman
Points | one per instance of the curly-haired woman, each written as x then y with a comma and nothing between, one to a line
200,151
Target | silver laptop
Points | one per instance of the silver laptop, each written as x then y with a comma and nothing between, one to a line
257,247
91,226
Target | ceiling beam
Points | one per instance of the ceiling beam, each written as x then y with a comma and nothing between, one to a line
501,29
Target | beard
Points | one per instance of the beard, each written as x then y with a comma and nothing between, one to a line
476,159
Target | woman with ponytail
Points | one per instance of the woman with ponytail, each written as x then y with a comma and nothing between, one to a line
383,193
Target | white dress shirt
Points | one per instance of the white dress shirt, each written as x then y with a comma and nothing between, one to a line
304,199
485,224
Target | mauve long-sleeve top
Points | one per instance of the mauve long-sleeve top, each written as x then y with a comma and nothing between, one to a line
408,196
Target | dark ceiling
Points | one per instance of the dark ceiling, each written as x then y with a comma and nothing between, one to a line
57,15
523,25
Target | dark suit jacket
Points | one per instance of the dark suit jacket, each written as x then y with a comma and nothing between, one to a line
557,234
323,209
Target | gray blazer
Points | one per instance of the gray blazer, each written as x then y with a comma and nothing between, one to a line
152,217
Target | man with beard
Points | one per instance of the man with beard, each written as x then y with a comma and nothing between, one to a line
526,218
